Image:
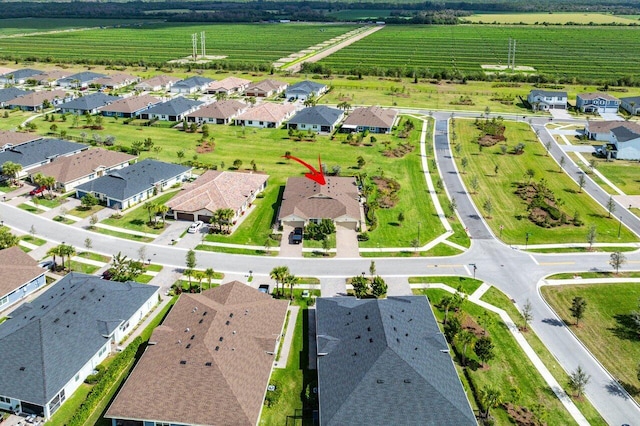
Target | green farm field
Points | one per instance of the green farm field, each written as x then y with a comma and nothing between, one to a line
12,26
550,18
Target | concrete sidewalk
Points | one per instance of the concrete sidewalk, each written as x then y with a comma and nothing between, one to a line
288,338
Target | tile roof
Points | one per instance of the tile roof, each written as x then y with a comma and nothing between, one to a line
52,75
195,81
209,362
131,104
269,112
594,126
16,138
89,102
306,199
30,153
625,134
385,362
306,87
34,99
229,83
597,95
68,169
82,77
215,190
548,93
10,93
372,116
21,74
159,80
16,269
6,70
115,79
220,109
267,85
321,115
46,342
123,184
175,106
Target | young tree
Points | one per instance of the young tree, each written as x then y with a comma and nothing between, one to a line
453,205
199,276
465,338
581,181
578,381
452,328
490,397
445,305
483,349
378,286
464,163
291,280
530,174
578,307
267,245
237,163
88,201
326,245
93,220
611,206
400,218
360,286
372,268
475,184
616,260
190,261
88,243
488,207
562,161
278,274
591,236
527,314
547,146
209,273
361,161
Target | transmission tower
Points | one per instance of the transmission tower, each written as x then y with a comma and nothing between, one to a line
203,50
194,44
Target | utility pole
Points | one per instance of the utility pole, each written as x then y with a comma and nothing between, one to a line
509,54
194,44
203,50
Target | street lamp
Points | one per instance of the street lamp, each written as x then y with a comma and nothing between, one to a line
619,226
526,240
474,269
250,273
419,225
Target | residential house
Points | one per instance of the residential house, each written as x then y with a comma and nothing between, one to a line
215,190
601,130
265,88
50,78
305,89
20,274
131,185
36,153
172,110
307,201
385,362
81,80
228,86
191,85
18,76
74,170
319,118
626,140
115,81
157,83
373,119
544,100
9,138
35,101
215,352
50,345
88,104
266,114
221,112
631,104
597,102
10,93
129,107
6,70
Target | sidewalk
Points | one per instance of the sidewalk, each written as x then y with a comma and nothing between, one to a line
288,338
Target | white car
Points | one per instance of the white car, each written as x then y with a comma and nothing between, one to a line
195,226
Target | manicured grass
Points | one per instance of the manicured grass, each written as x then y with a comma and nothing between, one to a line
624,174
437,251
308,280
64,220
68,409
143,279
33,25
317,253
33,240
233,250
607,328
124,235
551,18
30,209
94,256
137,219
15,118
509,210
468,285
582,249
154,268
83,213
309,243
55,202
586,275
83,267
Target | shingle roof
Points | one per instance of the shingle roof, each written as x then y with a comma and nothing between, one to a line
16,269
210,360
634,99
267,85
215,190
220,109
268,111
30,153
81,77
306,199
21,74
52,75
548,93
372,116
60,331
89,102
596,95
624,134
34,99
134,179
16,138
594,126
195,81
159,80
385,362
175,106
321,115
11,93
114,79
228,83
306,87
68,169
131,104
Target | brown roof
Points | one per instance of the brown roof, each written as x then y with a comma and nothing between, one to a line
159,80
52,75
267,85
5,70
68,169
131,104
373,116
606,126
209,362
114,79
16,138
16,269
306,199
228,83
37,98
218,190
270,112
220,109
596,95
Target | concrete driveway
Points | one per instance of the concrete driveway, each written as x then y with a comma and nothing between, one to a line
560,114
287,248
346,242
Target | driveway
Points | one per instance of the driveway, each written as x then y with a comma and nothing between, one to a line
560,114
287,248
611,116
346,242
578,148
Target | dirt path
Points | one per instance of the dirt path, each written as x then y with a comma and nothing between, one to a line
323,54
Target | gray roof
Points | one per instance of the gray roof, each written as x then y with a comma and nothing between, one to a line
624,134
306,87
548,93
629,99
320,115
11,93
46,342
22,74
195,81
383,362
124,183
89,102
30,153
82,77
175,106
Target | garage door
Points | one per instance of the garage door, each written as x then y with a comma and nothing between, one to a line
185,216
204,218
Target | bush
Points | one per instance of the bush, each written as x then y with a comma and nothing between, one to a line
363,236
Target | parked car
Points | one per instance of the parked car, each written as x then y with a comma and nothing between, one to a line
296,238
48,264
38,190
264,288
195,226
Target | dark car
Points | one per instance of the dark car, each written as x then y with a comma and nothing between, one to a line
264,288
296,238
38,190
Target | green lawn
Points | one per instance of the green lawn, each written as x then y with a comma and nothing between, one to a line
30,208
68,409
94,256
137,219
49,203
85,268
124,235
233,250
33,240
582,249
508,209
64,220
468,285
15,118
143,279
624,174
84,212
607,328
439,250
154,268
309,243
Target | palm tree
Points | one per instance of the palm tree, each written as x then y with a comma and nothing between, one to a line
291,280
199,275
189,273
465,338
149,206
209,273
226,217
278,274
68,251
53,252
12,170
161,209
50,183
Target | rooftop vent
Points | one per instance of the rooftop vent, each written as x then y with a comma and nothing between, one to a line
407,380
370,340
368,328
207,364
366,317
22,368
357,337
188,346
193,336
200,322
221,338
227,323
231,315
354,354
183,362
187,330
380,381
217,348
204,313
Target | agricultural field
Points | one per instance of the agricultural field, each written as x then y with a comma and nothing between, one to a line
550,18
12,26
580,52
361,15
241,43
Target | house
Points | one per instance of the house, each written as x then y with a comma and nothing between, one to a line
157,83
74,170
305,89
10,93
265,88
50,345
18,76
306,201
215,190
35,101
20,274
115,81
9,138
221,112
172,110
81,80
385,362
544,100
597,102
191,85
88,104
214,352
36,153
131,185
626,140
6,70
601,130
129,107
631,104
319,118
373,119
50,78
228,86
266,114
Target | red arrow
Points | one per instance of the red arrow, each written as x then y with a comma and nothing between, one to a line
315,175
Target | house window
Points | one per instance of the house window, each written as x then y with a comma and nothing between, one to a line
56,402
77,377
162,424
4,300
250,122
262,123
92,175
5,400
